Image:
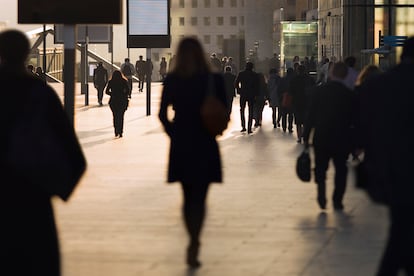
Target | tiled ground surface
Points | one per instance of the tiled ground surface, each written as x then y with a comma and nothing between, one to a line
123,219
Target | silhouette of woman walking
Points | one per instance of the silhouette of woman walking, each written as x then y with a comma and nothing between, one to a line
194,158
118,89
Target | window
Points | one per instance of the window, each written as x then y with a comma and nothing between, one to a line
233,3
233,37
207,3
291,2
220,20
194,4
242,20
220,39
206,39
181,20
233,20
220,3
242,3
194,21
181,4
207,21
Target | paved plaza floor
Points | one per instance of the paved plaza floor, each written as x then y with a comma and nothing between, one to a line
125,220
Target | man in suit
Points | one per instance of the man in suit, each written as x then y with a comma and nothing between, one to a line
331,117
247,85
100,79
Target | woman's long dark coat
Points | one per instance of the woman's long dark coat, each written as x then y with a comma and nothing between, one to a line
28,235
194,155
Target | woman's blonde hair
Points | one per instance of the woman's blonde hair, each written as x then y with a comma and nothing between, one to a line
367,72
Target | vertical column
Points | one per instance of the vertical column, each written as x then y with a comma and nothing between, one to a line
149,68
69,38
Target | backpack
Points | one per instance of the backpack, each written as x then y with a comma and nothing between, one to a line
127,70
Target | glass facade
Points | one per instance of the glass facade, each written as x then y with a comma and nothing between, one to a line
298,39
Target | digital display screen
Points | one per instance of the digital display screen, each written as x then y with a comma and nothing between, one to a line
148,24
148,17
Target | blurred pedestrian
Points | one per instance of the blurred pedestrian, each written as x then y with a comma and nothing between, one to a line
299,89
352,76
286,106
163,68
100,79
194,157
229,78
118,90
40,74
261,100
386,100
247,86
140,68
331,117
28,233
128,70
274,96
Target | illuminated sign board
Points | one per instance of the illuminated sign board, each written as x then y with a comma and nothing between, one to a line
148,24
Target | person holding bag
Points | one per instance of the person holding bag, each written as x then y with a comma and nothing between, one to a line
118,89
40,158
194,157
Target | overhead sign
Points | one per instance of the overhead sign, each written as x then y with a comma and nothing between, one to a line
69,11
148,24
96,34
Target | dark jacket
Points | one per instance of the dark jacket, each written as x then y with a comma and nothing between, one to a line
194,154
247,84
119,92
273,85
331,116
28,235
386,101
100,76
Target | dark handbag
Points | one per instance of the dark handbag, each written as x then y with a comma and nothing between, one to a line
303,166
213,112
286,100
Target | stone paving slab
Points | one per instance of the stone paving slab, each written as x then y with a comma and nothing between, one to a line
123,219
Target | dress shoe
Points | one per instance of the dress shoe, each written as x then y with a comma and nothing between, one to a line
243,129
249,131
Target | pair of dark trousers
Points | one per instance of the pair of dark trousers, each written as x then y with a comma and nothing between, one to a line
194,208
100,90
399,251
276,119
118,118
287,119
339,158
250,104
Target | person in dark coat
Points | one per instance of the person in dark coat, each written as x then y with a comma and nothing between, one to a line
28,235
388,156
100,79
194,157
274,96
299,88
287,113
140,69
118,89
261,99
229,78
331,116
247,85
